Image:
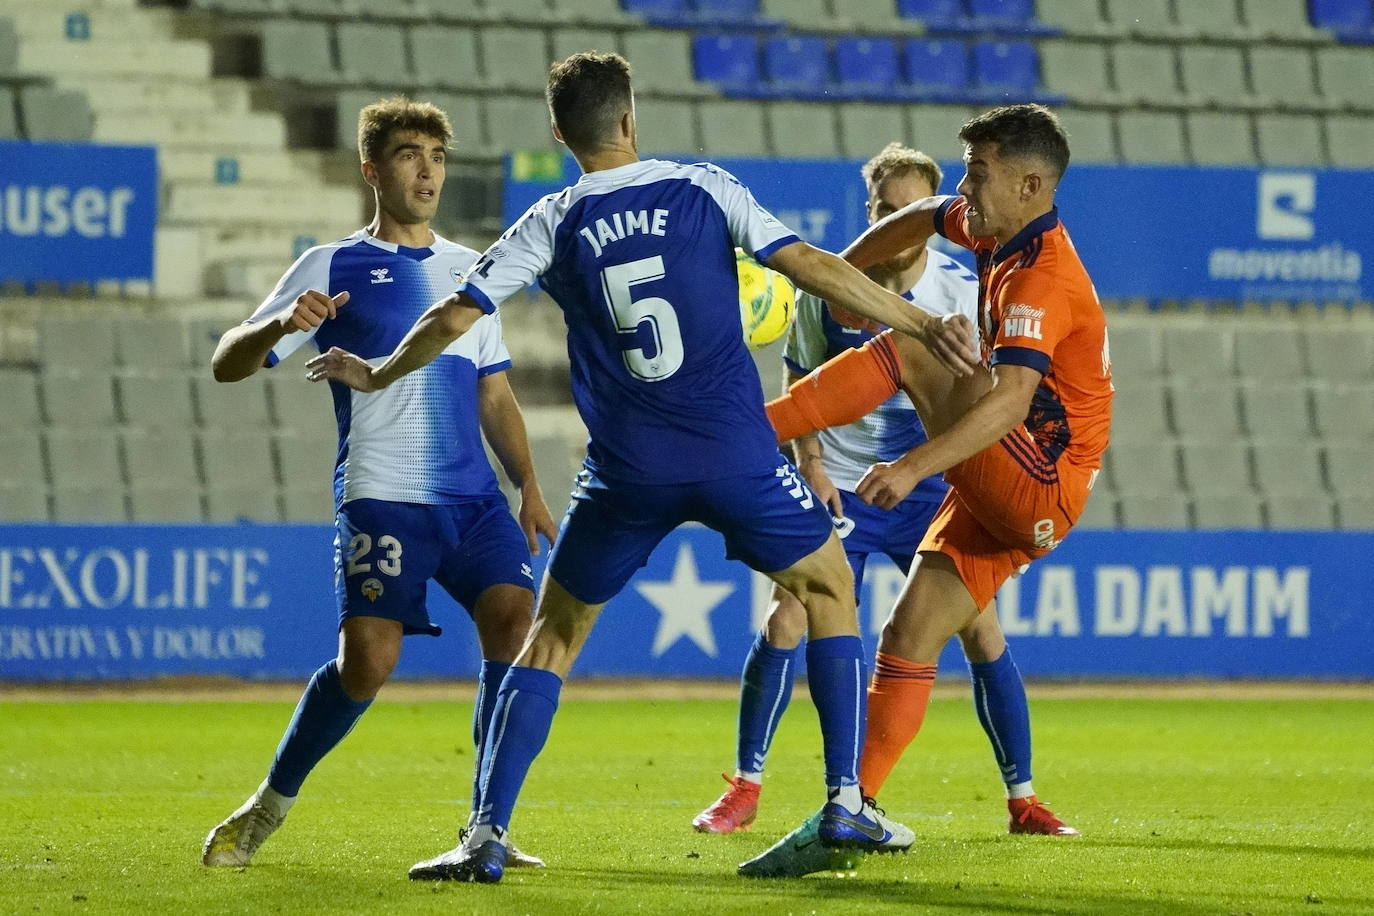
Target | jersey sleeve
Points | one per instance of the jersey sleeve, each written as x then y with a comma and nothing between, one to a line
751,226
311,271
492,355
951,221
1034,318
805,347
514,261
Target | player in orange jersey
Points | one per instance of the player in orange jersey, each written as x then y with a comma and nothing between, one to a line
1020,443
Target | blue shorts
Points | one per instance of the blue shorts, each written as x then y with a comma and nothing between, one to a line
385,553
896,532
770,521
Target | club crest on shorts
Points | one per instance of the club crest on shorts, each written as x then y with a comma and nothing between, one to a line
372,589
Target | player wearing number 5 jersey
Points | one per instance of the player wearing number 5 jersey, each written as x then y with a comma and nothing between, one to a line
415,497
640,257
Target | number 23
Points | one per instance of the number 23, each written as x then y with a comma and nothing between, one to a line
361,544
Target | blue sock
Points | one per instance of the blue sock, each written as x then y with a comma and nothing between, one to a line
488,686
519,727
999,696
324,715
835,671
765,689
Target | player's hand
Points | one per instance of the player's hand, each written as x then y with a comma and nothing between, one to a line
853,319
342,366
311,310
950,340
535,518
887,483
814,474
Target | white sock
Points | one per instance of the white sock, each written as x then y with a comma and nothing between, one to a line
1019,789
483,832
274,801
848,797
755,778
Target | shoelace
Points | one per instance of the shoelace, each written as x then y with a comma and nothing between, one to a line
870,802
733,800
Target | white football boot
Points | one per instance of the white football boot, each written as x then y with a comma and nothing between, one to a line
235,840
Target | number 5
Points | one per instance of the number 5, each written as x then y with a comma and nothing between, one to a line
631,314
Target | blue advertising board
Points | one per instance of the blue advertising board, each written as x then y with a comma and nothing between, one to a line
256,601
75,212
1142,231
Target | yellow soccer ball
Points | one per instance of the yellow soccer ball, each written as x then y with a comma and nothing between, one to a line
767,301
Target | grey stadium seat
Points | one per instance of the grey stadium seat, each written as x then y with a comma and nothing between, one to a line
465,112
305,460
1197,352
867,15
1136,352
1289,139
1149,469
19,394
398,9
9,115
84,459
1214,74
1283,77
1344,413
56,114
151,343
1075,17
1347,469
662,61
1282,19
458,10
242,503
865,129
161,458
446,56
238,407
23,503
1340,354
1146,73
800,14
239,459
803,130
1100,512
1299,513
667,126
1350,141
936,129
1205,409
88,504
1165,511
9,47
515,58
78,400
1274,352
1277,410
1356,513
1139,414
1216,467
1345,74
76,344
1076,69
371,53
21,460
1215,19
518,123
156,401
1090,135
1220,138
302,407
307,503
1286,468
595,12
298,51
1227,510
1144,17
149,503
531,11
1152,137
567,42
732,128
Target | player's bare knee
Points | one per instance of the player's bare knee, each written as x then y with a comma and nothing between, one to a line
502,616
786,623
362,674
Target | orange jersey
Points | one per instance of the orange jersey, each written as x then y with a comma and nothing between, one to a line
1037,308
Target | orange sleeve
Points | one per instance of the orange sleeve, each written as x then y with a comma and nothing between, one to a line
1032,317
951,221
840,391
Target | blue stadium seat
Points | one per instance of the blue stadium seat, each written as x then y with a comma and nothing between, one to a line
937,69
729,61
1008,71
723,12
867,67
797,66
937,15
1345,17
668,13
1017,16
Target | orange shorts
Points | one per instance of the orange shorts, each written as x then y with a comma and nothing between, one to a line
1007,505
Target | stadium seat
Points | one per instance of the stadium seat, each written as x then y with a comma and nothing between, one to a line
1198,352
156,401
19,394
1146,74
937,68
1012,16
414,10
1139,413
797,66
1219,138
331,9
1356,513
1147,18
1288,468
870,16
865,129
1152,137
1090,134
1074,17
1350,140
298,51
236,458
461,11
728,61
9,47
1205,410
240,406
153,503
1298,513
935,129
203,334
1345,75
732,129
89,504
1278,350
567,42
161,457
150,343
302,407
56,114
23,503
9,119
1277,410
1099,513
305,460
1344,412
1344,17
1076,70
800,14
21,459
1284,77
1217,21
1340,354
1347,468
1136,351
469,134
727,12
242,503
866,67
667,126
509,56
75,344
83,458
78,400
1215,75
307,503
659,10
1237,511
1216,468
1145,468
446,56
663,62
936,15
1289,139
518,123
532,12
803,130
372,54
594,12
1162,511
1007,70
1282,19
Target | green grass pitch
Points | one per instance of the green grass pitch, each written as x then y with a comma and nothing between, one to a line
1187,806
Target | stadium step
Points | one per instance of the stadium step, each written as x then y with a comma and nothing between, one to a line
146,57
257,205
122,95
84,21
280,246
194,129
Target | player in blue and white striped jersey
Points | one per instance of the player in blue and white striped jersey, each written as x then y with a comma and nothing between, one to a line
415,496
640,257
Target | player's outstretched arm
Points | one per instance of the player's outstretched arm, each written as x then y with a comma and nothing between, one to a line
831,278
504,427
443,323
894,233
243,350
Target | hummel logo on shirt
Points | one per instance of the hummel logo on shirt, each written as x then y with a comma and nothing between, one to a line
379,275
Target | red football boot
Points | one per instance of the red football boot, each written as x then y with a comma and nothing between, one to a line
733,811
1028,815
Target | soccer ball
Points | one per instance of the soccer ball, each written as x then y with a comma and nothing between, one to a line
767,301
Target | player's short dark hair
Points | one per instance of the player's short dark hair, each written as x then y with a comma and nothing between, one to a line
377,122
587,95
897,159
1022,130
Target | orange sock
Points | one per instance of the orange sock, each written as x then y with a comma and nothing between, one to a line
897,701
843,390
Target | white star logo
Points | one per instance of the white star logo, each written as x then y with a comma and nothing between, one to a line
685,604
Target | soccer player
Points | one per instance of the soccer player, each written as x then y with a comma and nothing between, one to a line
1020,442
832,463
640,257
415,496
